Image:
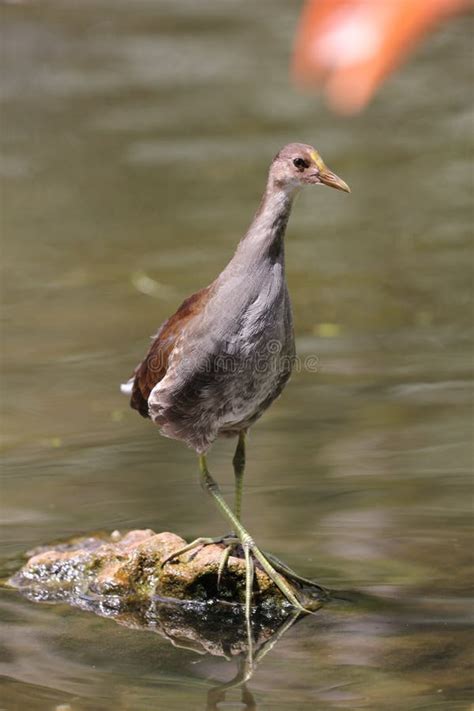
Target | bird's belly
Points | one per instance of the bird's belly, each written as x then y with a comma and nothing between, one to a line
248,395
227,389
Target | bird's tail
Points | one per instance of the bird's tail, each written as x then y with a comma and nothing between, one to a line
126,388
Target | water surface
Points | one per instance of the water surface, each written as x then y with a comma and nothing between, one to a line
136,139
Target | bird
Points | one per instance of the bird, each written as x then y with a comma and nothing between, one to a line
226,354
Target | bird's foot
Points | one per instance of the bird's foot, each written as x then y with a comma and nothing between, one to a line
232,542
229,540
279,574
275,570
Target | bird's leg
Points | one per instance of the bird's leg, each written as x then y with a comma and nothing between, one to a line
230,540
239,469
247,542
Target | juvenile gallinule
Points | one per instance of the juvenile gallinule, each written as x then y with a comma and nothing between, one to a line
215,366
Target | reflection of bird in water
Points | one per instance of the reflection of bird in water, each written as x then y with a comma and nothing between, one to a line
217,364
349,46
247,666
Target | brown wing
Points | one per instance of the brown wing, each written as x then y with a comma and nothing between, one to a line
155,364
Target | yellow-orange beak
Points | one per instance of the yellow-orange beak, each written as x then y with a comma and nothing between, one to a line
332,180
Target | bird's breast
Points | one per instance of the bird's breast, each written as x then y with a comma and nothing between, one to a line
229,365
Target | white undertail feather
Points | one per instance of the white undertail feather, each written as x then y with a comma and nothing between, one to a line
126,388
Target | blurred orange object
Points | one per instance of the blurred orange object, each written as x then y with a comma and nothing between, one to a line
349,46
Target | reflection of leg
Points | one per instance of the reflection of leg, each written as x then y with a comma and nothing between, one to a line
249,573
276,636
246,669
239,469
216,696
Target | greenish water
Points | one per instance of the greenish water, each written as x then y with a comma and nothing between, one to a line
136,139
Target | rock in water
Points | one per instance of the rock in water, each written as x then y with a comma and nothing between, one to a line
129,567
122,577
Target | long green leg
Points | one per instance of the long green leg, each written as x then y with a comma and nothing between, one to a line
210,485
239,469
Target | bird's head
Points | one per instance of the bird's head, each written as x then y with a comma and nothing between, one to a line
298,164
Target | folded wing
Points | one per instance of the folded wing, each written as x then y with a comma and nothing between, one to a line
154,366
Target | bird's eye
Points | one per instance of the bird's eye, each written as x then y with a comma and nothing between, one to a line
300,163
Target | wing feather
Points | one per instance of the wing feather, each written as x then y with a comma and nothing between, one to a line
154,366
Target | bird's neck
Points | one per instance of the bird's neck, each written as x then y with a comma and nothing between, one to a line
265,236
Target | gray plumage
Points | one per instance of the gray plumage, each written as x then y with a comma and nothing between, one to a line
226,354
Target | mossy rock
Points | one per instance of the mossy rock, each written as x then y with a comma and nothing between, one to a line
130,566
